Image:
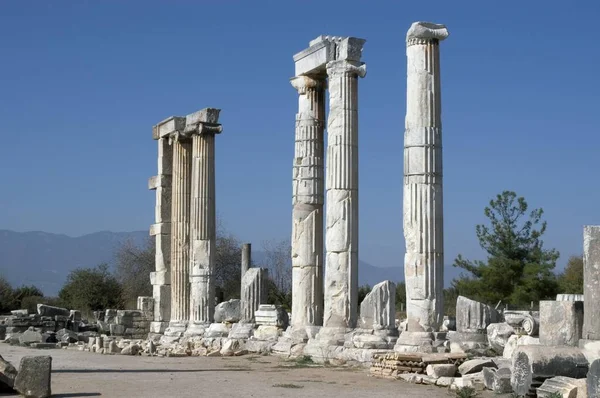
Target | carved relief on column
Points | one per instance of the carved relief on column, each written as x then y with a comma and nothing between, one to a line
341,278
423,188
307,199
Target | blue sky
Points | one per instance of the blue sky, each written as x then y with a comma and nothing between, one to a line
82,83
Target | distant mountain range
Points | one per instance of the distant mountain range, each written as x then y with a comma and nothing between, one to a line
44,259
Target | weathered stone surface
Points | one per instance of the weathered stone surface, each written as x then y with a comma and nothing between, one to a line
267,332
67,336
48,310
591,281
378,308
569,297
561,322
253,292
515,341
132,349
271,315
523,321
566,387
8,373
444,381
228,311
475,366
423,188
448,324
31,335
531,365
34,377
241,331
593,379
230,347
441,370
217,330
473,316
498,335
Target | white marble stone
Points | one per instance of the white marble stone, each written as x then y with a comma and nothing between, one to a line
569,297
253,292
423,193
378,309
307,200
271,315
591,281
473,316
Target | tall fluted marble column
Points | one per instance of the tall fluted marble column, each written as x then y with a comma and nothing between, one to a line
307,200
202,125
423,195
341,239
180,233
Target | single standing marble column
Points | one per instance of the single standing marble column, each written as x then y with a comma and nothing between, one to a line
341,239
591,281
307,199
180,234
246,258
202,126
423,200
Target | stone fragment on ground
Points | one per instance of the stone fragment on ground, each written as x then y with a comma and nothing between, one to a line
565,387
441,370
34,377
497,380
498,335
8,373
475,366
515,341
228,311
31,335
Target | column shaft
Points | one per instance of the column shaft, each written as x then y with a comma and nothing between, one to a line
341,278
180,230
203,229
307,200
423,193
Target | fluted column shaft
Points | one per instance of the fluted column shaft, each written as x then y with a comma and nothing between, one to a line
423,193
180,229
307,200
203,229
341,277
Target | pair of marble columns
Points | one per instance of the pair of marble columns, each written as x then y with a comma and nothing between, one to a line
338,60
192,216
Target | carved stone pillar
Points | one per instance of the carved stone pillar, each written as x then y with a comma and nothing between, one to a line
423,195
341,239
202,126
307,199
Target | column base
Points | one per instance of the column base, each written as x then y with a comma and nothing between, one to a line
381,339
158,327
425,342
174,332
196,329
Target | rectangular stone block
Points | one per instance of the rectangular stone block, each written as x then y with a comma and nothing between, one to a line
591,281
160,278
163,228
561,322
161,180
145,303
163,253
168,126
314,58
162,210
206,115
162,302
165,157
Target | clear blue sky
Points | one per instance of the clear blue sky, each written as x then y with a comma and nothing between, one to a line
82,83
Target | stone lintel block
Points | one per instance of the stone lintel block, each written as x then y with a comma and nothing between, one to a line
206,115
160,278
161,180
168,126
163,228
313,59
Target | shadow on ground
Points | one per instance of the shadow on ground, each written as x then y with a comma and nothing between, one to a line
147,370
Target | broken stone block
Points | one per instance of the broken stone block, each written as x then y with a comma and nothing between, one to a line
271,315
498,334
532,365
20,312
441,370
217,330
265,332
230,347
515,341
593,379
378,309
67,336
8,373
497,380
30,336
561,322
475,366
565,387
228,311
444,381
241,331
33,378
569,297
113,348
473,316
132,349
48,310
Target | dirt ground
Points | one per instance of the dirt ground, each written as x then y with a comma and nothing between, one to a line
84,374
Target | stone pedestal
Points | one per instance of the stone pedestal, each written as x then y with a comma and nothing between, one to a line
423,196
202,126
591,281
341,238
307,199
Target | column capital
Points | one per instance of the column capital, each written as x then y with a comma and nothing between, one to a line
346,67
304,83
426,32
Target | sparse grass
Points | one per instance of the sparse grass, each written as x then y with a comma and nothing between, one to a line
466,392
555,395
255,359
304,361
288,385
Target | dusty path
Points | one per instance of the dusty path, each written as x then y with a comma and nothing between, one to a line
83,374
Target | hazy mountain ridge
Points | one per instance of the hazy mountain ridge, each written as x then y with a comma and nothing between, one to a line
44,259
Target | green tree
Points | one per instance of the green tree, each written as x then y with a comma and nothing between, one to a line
518,269
571,280
23,292
362,293
133,265
91,289
6,296
401,297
